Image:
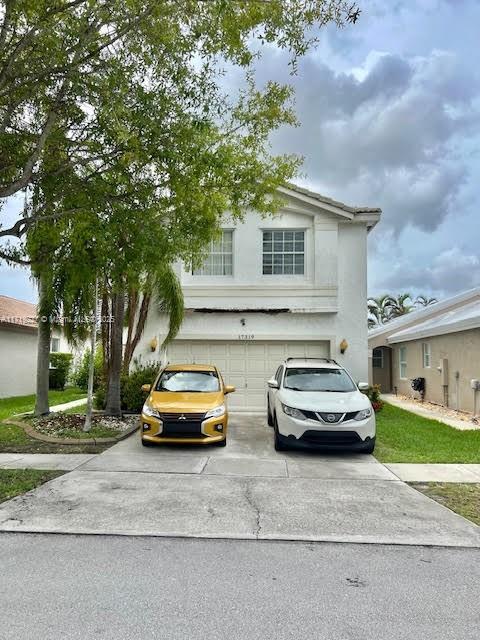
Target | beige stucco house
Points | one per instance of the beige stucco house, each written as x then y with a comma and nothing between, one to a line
440,343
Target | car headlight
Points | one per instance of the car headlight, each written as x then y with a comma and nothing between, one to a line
216,413
294,413
363,414
147,410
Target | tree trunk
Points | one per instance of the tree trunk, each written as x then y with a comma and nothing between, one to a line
106,327
43,350
113,403
91,369
139,329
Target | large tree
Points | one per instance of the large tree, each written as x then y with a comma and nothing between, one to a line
70,64
113,113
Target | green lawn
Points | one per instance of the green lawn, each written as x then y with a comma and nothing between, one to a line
16,481
461,498
403,436
22,404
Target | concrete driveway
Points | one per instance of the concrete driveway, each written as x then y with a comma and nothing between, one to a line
246,490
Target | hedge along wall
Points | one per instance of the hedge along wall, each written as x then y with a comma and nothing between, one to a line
60,364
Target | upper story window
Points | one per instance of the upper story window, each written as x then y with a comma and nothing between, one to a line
427,355
284,252
219,261
55,345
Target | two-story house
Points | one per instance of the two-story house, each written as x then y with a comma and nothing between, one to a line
290,285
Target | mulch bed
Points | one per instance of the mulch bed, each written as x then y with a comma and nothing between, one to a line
62,424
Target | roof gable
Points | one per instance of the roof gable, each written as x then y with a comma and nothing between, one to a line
316,202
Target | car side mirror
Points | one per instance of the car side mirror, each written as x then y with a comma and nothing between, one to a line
229,388
146,388
273,384
363,386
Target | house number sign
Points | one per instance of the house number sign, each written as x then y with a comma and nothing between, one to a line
246,336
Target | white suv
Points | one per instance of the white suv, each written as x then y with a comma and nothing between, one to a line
313,402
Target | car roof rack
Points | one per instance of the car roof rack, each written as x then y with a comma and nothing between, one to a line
329,360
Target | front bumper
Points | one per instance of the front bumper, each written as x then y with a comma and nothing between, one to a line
353,434
212,430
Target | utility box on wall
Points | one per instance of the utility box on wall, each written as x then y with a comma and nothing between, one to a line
475,385
443,367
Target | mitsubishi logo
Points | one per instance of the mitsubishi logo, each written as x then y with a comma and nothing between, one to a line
331,417
182,417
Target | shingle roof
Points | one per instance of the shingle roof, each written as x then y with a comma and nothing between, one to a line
459,319
334,203
420,316
15,312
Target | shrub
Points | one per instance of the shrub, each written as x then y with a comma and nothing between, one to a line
131,386
373,393
80,377
60,363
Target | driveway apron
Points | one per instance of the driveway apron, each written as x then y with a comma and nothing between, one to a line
246,490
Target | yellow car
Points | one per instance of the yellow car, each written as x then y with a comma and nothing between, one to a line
186,404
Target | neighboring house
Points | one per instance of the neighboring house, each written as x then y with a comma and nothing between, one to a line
272,287
440,343
18,346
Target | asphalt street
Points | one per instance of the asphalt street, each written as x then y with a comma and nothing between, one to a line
126,588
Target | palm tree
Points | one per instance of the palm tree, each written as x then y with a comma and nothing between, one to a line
165,288
379,310
424,301
400,306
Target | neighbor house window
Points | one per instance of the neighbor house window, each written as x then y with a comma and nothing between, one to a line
403,362
284,252
377,359
219,261
55,345
427,356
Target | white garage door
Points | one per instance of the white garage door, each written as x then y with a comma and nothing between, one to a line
246,365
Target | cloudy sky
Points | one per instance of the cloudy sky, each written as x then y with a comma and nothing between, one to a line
389,112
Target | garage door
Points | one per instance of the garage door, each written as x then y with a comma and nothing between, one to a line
246,365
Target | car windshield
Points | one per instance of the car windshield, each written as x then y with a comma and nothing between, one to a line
193,381
322,379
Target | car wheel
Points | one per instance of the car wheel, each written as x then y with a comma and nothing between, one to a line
277,443
221,443
147,443
269,414
369,447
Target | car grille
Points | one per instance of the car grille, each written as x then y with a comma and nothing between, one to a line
326,416
333,438
174,417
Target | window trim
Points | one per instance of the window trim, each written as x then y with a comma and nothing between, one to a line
382,358
284,230
402,362
198,272
426,355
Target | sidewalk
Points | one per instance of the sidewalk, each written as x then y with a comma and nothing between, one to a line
462,473
68,405
426,412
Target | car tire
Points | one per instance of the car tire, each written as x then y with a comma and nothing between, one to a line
277,443
369,448
269,414
147,443
222,443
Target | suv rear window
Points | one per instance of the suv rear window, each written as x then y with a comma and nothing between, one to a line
321,379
